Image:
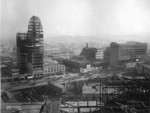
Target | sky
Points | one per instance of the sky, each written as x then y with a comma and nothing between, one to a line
128,19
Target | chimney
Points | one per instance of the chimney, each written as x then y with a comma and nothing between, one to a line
86,45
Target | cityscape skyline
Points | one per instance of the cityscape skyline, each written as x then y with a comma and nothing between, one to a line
90,62
123,20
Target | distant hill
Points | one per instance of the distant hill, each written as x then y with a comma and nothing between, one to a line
77,39
93,40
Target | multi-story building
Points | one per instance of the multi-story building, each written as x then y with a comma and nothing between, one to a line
53,69
14,72
131,51
30,47
99,54
11,70
22,52
107,55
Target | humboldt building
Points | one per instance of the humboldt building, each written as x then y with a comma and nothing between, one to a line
30,47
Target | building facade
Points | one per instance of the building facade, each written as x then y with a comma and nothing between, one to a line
107,55
131,51
99,54
12,71
30,47
54,69
21,52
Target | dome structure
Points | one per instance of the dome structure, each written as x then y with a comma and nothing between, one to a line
35,31
35,27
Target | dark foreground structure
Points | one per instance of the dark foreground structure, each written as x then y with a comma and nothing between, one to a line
116,95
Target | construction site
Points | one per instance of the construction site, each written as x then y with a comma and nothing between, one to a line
119,93
116,95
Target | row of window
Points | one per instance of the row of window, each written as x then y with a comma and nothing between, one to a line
36,30
38,74
36,35
38,67
131,53
35,22
21,35
54,67
54,71
36,27
128,47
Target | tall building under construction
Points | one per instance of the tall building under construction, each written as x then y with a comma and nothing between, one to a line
30,47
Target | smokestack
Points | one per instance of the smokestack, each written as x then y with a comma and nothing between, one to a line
86,45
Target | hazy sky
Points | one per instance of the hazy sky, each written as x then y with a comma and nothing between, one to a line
78,17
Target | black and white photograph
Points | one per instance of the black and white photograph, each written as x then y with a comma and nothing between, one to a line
75,56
